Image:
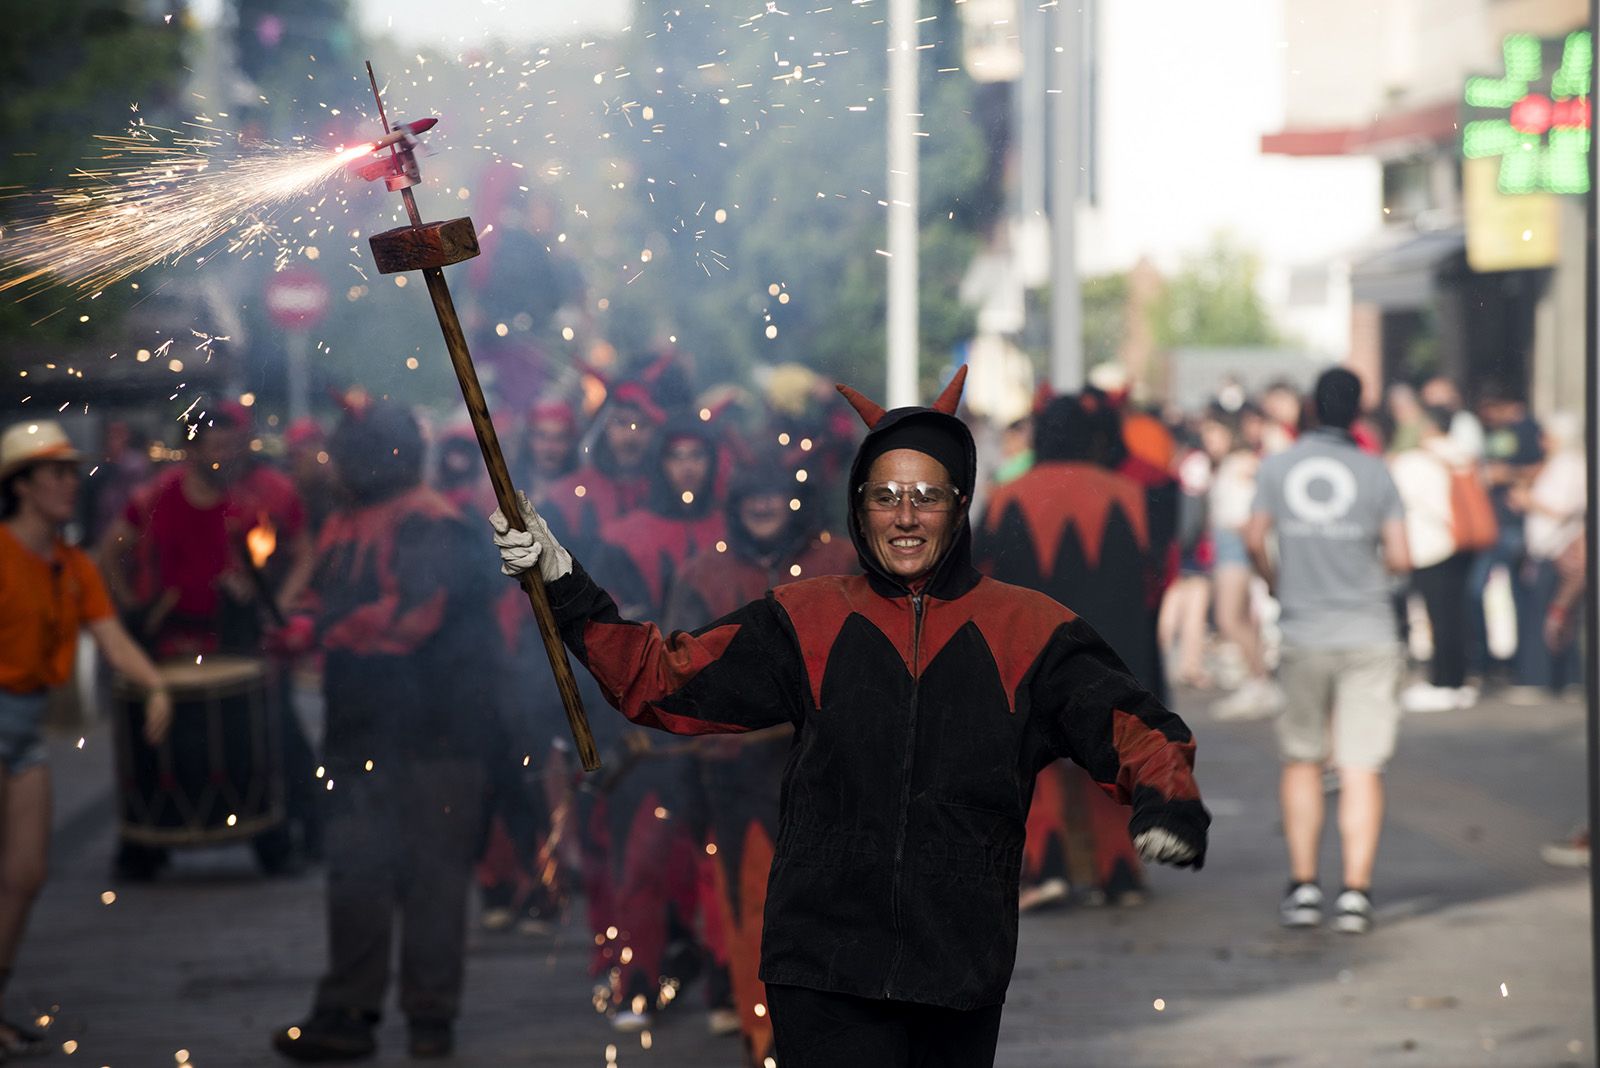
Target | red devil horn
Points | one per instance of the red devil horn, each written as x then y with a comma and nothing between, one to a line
870,411
950,399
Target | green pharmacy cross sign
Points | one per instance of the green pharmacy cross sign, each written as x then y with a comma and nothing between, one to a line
1535,117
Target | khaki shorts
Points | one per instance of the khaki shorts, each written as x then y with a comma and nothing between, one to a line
1342,704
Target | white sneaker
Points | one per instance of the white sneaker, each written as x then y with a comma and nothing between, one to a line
1255,699
1423,697
1466,697
1302,907
496,919
1352,912
1228,667
1047,892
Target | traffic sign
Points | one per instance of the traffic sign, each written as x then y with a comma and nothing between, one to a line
297,298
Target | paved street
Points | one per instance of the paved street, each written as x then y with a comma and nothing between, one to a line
1481,956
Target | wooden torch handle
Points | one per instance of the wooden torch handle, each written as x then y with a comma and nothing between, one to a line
506,495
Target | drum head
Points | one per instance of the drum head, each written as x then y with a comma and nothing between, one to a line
212,674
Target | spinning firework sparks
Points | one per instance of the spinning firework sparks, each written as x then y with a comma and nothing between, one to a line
158,197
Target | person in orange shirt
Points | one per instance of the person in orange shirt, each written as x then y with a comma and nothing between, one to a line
48,591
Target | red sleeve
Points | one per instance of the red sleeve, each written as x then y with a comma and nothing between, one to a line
1136,750
740,673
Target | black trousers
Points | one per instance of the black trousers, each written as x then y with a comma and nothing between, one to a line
1444,591
816,1029
400,850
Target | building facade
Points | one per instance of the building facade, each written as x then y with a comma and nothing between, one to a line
1477,113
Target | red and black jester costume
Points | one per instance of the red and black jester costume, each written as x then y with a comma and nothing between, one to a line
921,719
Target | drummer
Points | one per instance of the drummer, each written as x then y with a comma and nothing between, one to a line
48,591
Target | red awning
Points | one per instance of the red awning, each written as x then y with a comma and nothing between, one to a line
1435,124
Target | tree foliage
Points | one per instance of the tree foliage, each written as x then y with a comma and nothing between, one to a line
1213,300
786,136
1105,317
70,69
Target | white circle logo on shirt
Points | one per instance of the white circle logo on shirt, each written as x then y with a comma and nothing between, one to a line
1319,489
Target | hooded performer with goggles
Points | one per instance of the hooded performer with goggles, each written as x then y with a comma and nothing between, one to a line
924,698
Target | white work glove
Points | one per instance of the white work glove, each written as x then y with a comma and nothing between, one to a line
520,550
1159,846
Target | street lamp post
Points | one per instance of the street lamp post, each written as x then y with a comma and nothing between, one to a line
903,114
1066,302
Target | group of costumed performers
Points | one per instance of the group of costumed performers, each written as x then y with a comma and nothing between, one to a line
881,693
919,699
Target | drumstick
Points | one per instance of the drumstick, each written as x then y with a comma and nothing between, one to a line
159,611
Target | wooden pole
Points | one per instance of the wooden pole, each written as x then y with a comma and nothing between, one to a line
430,247
506,495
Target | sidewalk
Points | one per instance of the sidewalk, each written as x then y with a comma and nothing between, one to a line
209,960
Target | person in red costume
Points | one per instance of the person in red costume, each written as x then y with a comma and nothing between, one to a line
176,559
1076,525
614,477
530,831
924,699
640,865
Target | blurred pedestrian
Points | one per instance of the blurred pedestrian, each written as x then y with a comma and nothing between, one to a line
1242,660
1429,477
1560,630
1185,608
1555,504
1340,533
1283,406
49,592
1513,449
400,608
891,917
1465,430
1407,420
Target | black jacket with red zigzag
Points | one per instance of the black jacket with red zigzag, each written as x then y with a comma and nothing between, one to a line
920,723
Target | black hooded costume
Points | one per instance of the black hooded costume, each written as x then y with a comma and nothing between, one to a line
921,719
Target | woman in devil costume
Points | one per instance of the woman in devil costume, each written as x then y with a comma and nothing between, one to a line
924,699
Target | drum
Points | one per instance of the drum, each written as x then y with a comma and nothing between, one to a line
218,775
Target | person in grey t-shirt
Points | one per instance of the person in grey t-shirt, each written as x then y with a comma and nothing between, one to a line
1340,533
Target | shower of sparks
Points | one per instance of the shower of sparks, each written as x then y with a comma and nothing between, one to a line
157,196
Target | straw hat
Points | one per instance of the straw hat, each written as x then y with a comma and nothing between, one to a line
32,443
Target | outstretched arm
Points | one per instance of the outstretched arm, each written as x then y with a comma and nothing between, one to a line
1136,750
737,674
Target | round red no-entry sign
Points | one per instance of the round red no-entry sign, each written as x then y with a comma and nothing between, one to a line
297,299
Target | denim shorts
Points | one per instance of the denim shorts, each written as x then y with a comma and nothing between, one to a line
21,743
1228,545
